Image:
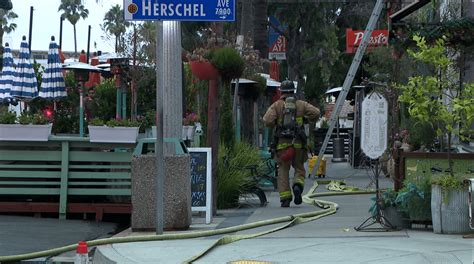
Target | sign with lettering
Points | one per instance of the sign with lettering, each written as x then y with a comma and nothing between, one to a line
354,39
276,42
182,10
201,184
374,125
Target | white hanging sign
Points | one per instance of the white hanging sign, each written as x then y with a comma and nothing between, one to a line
374,125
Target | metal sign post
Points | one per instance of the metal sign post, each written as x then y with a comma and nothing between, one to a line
159,148
374,123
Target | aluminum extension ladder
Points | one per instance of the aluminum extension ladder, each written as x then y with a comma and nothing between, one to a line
349,79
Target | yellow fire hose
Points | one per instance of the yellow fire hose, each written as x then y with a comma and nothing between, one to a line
328,209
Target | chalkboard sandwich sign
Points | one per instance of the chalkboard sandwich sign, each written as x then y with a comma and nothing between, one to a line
201,184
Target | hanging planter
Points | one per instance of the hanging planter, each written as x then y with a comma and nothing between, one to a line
204,70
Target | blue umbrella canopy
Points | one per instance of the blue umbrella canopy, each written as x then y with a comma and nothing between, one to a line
24,81
52,86
6,78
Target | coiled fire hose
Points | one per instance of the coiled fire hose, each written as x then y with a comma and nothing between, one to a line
328,208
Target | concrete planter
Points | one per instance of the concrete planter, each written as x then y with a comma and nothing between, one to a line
16,132
105,134
450,211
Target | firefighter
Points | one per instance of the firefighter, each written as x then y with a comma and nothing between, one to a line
286,115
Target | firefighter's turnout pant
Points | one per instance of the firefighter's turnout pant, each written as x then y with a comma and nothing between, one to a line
283,179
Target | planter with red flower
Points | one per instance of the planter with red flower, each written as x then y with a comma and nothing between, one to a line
200,65
27,127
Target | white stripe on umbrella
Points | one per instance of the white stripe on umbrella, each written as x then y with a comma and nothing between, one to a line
52,85
24,81
6,78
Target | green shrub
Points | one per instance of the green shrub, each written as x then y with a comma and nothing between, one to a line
261,84
24,119
96,122
39,119
226,124
122,123
415,200
104,104
7,117
232,177
447,182
114,123
387,199
228,62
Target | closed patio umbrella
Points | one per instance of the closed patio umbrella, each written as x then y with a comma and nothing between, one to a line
53,86
24,81
6,78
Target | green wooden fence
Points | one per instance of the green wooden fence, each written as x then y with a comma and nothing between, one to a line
67,167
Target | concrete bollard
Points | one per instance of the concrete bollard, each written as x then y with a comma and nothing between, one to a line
177,193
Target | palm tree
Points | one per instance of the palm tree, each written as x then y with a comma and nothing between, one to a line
73,10
5,27
147,38
115,24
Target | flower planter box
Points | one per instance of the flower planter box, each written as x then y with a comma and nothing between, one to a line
16,132
105,134
187,132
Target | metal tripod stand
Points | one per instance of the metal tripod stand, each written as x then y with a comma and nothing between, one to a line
378,218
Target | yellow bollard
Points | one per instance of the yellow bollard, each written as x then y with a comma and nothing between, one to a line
322,166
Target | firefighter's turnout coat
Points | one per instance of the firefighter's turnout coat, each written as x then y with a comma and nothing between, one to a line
273,118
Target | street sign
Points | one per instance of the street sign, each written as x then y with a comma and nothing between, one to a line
276,43
182,10
374,125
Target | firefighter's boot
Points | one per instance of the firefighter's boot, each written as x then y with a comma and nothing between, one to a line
297,191
285,203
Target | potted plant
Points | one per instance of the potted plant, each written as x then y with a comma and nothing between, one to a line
113,131
390,209
188,125
450,205
27,127
414,199
201,66
439,100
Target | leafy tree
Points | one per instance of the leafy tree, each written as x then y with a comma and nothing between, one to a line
73,10
438,99
115,24
5,27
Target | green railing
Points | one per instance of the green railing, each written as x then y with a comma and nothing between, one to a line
69,166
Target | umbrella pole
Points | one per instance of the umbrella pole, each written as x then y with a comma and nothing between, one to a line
81,110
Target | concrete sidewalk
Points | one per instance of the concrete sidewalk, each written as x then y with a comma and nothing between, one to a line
331,239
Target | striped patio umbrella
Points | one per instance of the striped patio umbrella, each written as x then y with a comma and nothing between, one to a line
52,86
24,81
6,78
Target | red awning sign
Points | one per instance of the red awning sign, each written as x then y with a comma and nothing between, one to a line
354,39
